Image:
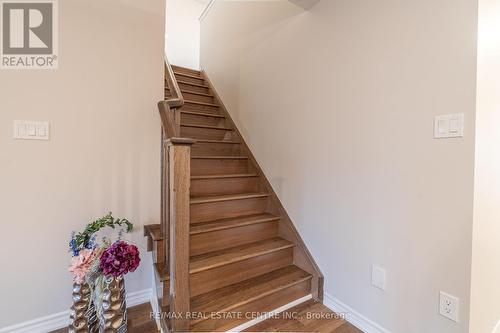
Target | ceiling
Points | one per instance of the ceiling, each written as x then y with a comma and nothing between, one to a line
306,4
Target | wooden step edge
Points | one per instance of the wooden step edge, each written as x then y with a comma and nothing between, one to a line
188,75
203,114
208,127
210,157
192,92
218,141
230,307
222,198
196,93
241,258
193,84
201,228
190,101
153,231
225,176
163,272
186,68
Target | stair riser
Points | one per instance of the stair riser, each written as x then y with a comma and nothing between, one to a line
200,108
227,238
190,87
187,118
204,187
189,79
218,167
215,149
159,252
162,291
205,133
191,97
264,304
219,277
189,71
227,209
198,98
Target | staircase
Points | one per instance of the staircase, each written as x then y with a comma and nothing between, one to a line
225,244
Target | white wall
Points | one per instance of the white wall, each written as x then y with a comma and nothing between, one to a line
103,155
337,104
485,291
183,32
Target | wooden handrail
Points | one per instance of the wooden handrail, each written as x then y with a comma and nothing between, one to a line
168,121
177,100
175,211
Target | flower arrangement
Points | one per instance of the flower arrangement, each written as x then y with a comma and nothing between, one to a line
91,259
101,267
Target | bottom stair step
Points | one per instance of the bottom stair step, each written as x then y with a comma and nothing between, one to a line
233,305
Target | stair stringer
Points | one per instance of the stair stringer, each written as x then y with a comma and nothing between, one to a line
301,257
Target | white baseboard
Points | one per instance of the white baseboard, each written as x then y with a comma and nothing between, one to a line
60,320
40,325
139,297
352,316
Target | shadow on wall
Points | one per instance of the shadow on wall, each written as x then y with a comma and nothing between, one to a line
306,4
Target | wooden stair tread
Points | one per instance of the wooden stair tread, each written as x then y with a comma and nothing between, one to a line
187,91
196,93
204,114
201,103
228,197
229,223
174,67
217,141
223,157
228,298
235,175
223,257
216,259
193,84
188,75
209,127
154,231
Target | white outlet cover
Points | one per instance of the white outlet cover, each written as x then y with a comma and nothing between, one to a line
448,306
378,277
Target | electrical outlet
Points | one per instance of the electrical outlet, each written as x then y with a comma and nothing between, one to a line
378,277
448,306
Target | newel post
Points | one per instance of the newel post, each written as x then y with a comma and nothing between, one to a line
179,151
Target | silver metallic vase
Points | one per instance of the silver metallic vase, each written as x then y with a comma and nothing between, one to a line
113,317
83,318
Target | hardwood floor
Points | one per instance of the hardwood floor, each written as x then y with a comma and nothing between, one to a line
139,320
307,317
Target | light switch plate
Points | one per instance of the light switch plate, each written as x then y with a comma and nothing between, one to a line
449,126
31,130
378,277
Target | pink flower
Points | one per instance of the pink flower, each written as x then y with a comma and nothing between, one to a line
81,264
